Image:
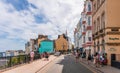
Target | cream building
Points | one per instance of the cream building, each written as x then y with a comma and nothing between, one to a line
106,28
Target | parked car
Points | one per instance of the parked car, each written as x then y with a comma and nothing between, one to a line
57,54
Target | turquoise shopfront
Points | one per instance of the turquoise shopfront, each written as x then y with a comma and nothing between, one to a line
46,46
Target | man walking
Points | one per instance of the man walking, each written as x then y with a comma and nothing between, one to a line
32,55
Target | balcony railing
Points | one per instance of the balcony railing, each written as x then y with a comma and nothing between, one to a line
89,27
84,22
89,13
83,33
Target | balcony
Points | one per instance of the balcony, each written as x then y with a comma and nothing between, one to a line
89,27
89,42
83,33
84,45
83,22
89,13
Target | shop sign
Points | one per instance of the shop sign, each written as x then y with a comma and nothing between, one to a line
112,49
113,38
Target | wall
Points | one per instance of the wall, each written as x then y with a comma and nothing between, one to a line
61,44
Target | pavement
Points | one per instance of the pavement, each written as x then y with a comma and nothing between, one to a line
32,67
62,64
102,69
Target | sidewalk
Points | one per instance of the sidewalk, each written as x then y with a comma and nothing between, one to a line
104,69
33,67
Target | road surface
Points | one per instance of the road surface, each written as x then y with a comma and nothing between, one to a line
65,64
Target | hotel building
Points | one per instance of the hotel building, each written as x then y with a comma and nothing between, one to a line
106,28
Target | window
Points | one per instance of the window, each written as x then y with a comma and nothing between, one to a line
89,20
98,24
89,39
103,46
89,7
94,7
84,39
98,46
84,28
94,26
103,20
98,3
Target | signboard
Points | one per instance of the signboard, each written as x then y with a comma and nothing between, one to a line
113,38
112,49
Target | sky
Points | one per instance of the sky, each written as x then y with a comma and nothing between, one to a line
21,20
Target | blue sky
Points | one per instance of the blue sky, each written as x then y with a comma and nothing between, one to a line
21,20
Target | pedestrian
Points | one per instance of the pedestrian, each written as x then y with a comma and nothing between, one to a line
88,58
46,55
77,56
101,60
32,55
96,59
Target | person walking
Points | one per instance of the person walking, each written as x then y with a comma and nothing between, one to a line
32,55
89,58
77,55
46,55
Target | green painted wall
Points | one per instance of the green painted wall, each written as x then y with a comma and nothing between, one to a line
46,46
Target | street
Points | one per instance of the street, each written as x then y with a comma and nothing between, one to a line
64,64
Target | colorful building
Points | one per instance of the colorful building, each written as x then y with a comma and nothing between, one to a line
34,44
46,46
61,44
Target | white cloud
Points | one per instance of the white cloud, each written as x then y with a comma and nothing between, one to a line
62,15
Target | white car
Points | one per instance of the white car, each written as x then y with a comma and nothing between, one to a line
57,54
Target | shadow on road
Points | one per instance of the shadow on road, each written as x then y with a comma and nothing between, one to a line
70,66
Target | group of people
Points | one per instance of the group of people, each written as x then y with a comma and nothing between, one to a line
32,55
98,60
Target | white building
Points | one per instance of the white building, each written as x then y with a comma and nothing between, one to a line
83,35
76,44
86,19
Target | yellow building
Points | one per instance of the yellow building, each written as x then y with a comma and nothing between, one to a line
61,44
106,28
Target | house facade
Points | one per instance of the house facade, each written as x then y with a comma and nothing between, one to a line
61,44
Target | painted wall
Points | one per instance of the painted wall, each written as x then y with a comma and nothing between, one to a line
61,44
46,46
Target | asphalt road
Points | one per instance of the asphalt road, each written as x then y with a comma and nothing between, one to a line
65,64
